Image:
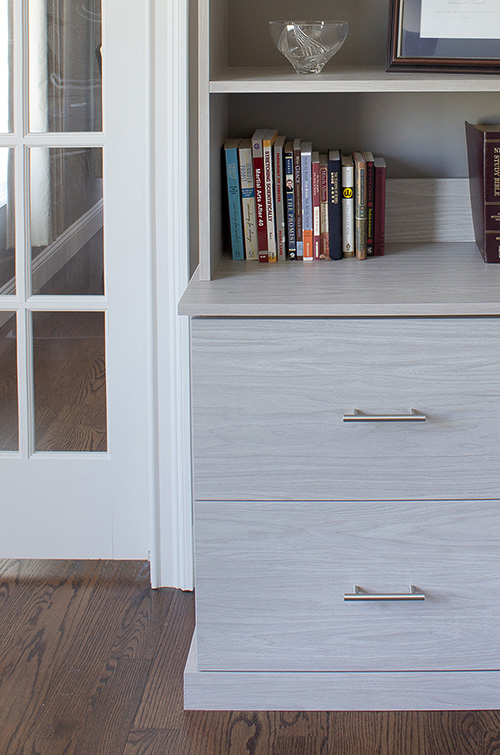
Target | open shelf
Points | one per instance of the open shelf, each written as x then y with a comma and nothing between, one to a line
346,79
446,279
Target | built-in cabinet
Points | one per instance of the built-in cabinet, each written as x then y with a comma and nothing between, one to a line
346,415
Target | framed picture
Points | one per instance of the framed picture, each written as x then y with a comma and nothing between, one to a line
444,35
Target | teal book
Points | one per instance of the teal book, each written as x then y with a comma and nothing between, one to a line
234,199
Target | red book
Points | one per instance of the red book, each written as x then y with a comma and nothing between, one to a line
316,206
260,202
483,147
379,207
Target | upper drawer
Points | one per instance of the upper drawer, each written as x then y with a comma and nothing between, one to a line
269,397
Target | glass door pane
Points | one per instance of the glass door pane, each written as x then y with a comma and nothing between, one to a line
7,223
66,221
65,53
6,54
70,381
8,383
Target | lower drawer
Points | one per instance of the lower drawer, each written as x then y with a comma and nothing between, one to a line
271,580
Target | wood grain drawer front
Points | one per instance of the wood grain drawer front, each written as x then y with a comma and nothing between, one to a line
271,580
269,398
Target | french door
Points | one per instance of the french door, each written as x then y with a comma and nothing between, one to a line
74,332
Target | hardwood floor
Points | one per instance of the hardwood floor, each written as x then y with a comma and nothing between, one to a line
91,663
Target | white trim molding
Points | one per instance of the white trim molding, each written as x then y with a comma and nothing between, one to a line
171,514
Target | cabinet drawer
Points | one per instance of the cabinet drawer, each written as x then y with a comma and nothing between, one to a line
271,579
269,398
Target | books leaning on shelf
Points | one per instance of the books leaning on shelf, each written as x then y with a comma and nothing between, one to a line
288,201
483,148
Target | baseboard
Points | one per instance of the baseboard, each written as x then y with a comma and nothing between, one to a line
375,691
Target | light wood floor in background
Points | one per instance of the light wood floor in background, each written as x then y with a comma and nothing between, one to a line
91,662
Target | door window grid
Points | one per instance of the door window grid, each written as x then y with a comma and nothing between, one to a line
21,140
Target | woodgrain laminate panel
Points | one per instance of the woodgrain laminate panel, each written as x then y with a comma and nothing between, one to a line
342,691
269,396
413,279
265,79
271,580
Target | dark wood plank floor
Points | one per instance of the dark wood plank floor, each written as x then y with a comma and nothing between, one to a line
91,662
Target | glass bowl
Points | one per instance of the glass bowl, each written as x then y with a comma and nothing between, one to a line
308,45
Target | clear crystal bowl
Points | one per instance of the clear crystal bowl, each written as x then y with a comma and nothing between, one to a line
308,45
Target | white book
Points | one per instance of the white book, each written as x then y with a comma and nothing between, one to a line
267,149
279,197
307,200
348,206
249,210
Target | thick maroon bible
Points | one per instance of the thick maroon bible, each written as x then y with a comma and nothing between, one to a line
483,148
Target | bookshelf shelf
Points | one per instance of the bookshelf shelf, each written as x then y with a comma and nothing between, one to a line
352,79
445,279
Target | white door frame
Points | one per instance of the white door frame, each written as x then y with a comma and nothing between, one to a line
171,489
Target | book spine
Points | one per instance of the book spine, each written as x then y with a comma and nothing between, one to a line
323,197
379,209
360,207
269,202
248,203
234,197
348,209
491,200
316,206
370,195
307,205
279,170
297,183
290,204
258,174
334,207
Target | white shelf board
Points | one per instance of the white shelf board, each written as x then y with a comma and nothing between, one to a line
445,279
284,79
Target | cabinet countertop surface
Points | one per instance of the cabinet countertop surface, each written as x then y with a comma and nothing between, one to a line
446,279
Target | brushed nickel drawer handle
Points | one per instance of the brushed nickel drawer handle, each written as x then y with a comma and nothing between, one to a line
359,594
412,416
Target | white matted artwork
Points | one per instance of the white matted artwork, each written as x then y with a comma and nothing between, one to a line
460,19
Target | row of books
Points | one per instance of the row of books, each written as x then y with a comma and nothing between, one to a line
288,201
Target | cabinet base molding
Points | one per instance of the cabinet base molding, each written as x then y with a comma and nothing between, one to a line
404,690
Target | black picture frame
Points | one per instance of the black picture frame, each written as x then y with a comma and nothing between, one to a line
408,51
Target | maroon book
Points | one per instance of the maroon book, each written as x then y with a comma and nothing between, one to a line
379,207
370,197
483,148
260,202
